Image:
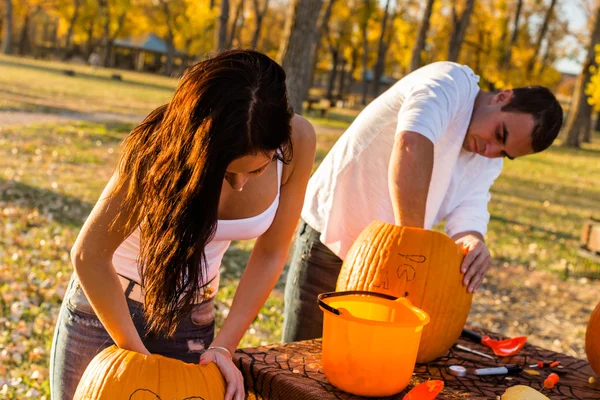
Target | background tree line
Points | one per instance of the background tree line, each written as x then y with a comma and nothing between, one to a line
342,44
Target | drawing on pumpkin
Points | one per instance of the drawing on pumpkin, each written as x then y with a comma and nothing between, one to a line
407,270
414,258
383,281
147,394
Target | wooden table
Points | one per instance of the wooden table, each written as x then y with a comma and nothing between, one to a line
293,371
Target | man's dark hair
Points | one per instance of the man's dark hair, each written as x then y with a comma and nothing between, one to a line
547,113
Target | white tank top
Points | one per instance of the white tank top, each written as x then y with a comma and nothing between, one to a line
125,257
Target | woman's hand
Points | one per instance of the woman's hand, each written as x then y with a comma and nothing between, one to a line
232,375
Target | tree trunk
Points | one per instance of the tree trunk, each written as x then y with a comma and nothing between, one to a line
579,116
54,36
415,61
459,30
513,39
46,31
8,34
256,36
297,46
24,39
364,26
335,57
353,66
90,38
546,58
365,59
104,5
170,55
170,39
72,22
540,39
260,15
234,25
381,50
222,32
342,81
322,28
587,132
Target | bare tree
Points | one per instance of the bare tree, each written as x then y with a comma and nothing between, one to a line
8,20
580,114
513,39
459,29
415,61
540,38
222,32
297,46
259,13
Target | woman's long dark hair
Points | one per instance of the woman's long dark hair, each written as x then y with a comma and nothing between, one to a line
173,166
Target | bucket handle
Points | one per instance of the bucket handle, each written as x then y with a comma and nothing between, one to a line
336,294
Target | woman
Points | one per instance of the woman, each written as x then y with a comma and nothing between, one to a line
213,165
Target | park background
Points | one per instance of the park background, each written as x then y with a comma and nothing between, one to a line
77,75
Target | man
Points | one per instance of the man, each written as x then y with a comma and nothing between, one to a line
426,150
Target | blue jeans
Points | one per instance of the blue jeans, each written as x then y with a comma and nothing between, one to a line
314,270
79,336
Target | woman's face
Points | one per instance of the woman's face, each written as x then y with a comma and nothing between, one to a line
241,169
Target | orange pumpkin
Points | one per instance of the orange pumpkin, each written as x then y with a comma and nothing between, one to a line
121,374
420,264
592,340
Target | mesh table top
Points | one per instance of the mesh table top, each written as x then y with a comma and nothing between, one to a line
293,371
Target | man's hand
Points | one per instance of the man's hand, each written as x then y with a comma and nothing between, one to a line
476,263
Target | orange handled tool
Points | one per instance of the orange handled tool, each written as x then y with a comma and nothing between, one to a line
503,348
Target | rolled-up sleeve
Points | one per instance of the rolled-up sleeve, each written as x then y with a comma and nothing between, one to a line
471,212
432,104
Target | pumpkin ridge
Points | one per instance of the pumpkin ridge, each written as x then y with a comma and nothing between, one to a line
105,363
118,374
380,258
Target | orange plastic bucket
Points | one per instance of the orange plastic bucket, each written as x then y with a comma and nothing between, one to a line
370,341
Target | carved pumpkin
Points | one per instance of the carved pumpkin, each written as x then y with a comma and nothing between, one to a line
420,264
121,374
592,340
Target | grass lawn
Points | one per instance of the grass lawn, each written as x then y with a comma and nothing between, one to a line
51,175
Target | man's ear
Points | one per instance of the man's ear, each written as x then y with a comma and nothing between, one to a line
502,98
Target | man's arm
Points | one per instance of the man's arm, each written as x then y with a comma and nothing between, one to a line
409,176
423,119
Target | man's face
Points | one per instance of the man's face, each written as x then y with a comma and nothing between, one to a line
494,133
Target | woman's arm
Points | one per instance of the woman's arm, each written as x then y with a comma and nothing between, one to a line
271,249
92,259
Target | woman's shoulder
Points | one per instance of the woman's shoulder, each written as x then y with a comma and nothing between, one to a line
304,141
303,131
